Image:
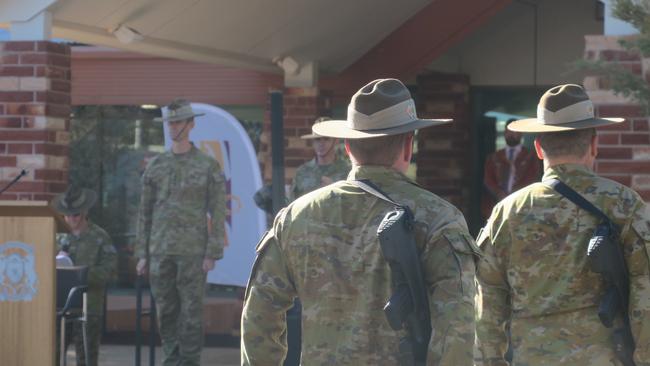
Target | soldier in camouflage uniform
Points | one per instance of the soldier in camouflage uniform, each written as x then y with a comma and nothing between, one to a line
323,249
87,245
181,189
535,273
326,167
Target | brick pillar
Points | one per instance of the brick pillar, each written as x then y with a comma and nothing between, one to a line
624,149
301,108
444,157
34,118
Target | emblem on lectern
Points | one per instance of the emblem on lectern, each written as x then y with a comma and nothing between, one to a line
18,281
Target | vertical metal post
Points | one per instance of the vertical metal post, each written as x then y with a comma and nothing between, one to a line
277,149
101,139
153,321
477,129
138,318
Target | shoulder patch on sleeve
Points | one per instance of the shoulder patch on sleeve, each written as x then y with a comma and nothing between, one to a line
109,248
462,242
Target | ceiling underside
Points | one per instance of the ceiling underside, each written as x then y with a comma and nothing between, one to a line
251,33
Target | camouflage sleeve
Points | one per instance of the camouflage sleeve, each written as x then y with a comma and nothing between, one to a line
217,210
449,271
293,191
296,191
494,303
270,293
637,244
104,267
62,242
145,212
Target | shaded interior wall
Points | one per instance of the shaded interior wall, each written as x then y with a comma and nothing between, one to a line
444,152
624,149
527,43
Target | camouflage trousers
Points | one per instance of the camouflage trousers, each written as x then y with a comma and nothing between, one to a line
74,333
178,286
93,334
94,324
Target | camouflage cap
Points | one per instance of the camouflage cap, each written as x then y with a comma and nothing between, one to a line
75,200
178,110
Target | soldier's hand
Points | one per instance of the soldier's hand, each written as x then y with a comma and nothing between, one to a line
141,267
325,181
208,264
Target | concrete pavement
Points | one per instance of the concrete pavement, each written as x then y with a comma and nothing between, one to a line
119,355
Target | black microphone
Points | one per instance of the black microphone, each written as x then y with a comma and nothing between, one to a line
23,173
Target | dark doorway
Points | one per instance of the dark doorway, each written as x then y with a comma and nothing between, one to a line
490,108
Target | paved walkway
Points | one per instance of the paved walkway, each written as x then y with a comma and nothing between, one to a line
113,355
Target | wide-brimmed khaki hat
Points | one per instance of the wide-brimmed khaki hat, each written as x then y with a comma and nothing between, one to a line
178,110
381,108
74,200
562,108
312,135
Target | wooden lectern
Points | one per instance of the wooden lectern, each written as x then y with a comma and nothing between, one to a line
27,282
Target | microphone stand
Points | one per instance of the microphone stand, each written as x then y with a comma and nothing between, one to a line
16,179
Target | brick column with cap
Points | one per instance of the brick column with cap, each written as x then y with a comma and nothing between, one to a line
443,159
624,149
34,118
301,108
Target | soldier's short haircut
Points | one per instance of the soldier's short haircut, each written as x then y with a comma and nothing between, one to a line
378,150
567,143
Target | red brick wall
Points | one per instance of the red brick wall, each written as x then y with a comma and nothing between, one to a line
34,118
444,156
113,77
443,160
301,108
624,151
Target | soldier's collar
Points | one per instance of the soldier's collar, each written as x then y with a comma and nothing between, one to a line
562,170
193,149
375,172
85,231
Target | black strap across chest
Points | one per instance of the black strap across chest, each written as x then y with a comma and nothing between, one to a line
577,198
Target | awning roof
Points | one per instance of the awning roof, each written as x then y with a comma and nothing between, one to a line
248,33
335,34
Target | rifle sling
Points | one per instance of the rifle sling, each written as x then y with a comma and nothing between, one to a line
371,188
577,199
582,202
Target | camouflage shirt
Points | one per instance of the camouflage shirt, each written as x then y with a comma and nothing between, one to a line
309,175
323,249
178,191
535,273
92,248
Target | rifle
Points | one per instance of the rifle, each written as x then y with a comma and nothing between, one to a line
605,256
408,306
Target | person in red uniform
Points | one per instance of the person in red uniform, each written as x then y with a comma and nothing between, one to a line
507,170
